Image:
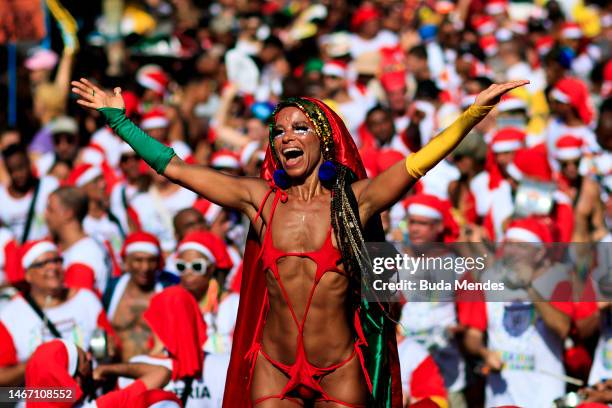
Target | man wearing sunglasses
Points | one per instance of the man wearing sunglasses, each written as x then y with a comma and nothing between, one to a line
201,260
72,313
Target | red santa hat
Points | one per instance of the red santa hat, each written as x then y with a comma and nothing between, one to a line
153,77
509,103
393,81
488,43
174,316
209,245
335,68
530,163
249,150
568,147
574,92
209,209
494,7
507,139
141,242
225,159
571,31
31,250
544,44
154,119
83,174
484,25
529,229
430,206
364,14
53,365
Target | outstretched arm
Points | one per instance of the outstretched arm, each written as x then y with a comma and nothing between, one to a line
237,192
388,187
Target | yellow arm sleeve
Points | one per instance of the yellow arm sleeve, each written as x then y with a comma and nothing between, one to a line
419,163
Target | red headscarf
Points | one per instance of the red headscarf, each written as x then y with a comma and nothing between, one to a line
175,318
49,366
253,285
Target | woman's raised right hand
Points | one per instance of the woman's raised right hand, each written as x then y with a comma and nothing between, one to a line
93,97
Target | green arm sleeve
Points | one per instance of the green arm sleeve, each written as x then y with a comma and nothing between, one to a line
155,154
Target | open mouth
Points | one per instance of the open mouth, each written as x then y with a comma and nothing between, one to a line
293,155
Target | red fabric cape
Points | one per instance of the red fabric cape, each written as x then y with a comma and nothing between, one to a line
253,287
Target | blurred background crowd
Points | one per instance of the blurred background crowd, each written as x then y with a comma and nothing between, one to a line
100,243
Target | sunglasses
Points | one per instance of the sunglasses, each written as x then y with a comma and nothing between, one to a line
42,264
198,266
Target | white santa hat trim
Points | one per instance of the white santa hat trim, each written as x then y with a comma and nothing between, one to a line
146,247
511,104
73,357
331,69
155,122
37,250
212,213
89,175
225,162
558,95
506,146
568,153
196,247
571,33
514,172
424,211
522,234
92,156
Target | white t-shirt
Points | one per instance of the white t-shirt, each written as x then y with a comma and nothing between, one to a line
91,254
384,38
427,323
14,211
104,230
75,319
206,392
221,325
527,346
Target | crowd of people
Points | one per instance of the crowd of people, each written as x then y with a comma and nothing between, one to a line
120,283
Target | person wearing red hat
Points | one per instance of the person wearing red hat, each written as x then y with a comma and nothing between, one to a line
310,148
154,82
62,365
100,222
368,35
430,221
88,262
127,297
584,192
157,123
529,164
72,314
179,333
24,197
226,161
202,261
500,153
526,323
353,108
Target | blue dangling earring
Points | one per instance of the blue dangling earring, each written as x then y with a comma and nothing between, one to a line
282,179
327,172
